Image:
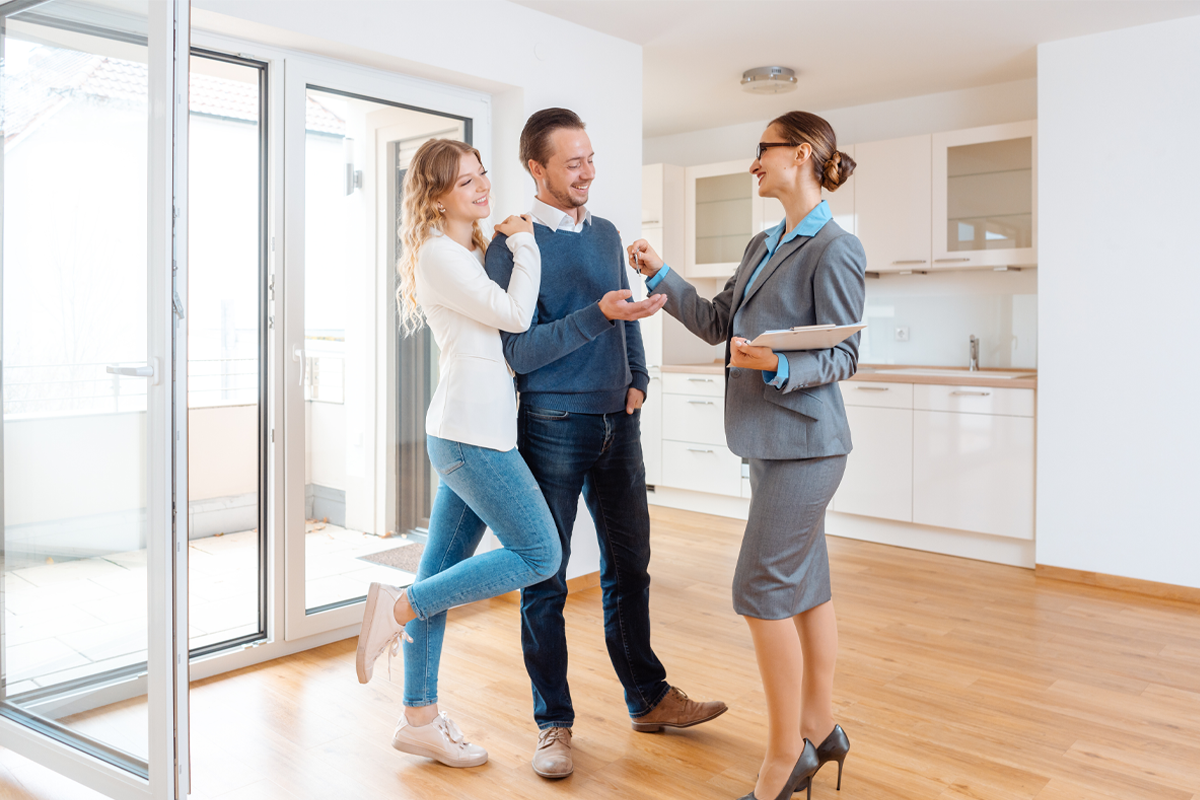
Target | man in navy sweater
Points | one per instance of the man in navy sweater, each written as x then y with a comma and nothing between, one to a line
581,372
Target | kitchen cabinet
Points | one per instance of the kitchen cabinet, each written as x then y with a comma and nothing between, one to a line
973,459
841,203
879,472
722,211
708,468
984,201
893,186
694,451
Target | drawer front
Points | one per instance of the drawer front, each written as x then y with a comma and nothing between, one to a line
693,383
702,468
974,400
694,418
877,394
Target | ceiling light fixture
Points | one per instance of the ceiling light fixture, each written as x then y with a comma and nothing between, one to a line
769,80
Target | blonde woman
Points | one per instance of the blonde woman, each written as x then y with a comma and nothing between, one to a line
471,431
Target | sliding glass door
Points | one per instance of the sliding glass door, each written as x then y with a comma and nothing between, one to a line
93,671
358,482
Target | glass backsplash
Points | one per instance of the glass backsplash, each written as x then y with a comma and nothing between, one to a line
927,320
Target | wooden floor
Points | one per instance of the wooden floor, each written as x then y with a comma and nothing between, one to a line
957,680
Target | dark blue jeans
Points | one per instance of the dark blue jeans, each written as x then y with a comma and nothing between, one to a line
600,455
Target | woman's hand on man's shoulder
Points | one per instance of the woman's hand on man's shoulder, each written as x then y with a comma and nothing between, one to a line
515,224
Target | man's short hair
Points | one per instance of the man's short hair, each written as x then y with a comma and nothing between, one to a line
535,137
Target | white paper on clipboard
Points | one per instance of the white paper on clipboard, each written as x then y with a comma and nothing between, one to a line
807,337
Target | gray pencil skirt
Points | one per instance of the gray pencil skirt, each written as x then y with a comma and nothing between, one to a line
783,566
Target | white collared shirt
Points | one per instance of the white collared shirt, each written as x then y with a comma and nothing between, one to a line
558,220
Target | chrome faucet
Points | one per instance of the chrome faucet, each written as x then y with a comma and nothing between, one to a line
973,366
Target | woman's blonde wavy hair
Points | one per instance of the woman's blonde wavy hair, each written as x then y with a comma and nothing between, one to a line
431,175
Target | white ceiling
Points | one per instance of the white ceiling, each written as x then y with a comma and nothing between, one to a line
846,52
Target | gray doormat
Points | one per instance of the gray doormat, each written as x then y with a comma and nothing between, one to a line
405,557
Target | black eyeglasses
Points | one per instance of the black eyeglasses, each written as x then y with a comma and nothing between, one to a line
764,145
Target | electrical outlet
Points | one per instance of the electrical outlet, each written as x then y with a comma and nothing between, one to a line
902,334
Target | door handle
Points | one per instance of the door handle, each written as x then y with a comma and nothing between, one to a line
149,371
298,355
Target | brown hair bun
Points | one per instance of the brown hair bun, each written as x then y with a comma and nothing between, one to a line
838,169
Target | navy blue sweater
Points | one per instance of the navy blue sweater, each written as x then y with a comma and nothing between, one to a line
572,357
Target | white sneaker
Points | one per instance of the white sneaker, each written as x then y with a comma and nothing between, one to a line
379,629
440,740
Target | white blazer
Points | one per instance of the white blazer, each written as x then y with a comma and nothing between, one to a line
476,400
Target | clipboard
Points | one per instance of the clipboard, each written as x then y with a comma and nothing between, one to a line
807,337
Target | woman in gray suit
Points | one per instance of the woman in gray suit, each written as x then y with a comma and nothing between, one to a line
784,412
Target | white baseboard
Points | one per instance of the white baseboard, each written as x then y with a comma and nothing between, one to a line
964,544
700,502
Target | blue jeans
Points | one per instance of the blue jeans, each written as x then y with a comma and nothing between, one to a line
478,488
600,455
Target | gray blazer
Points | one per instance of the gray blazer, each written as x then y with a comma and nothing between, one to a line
809,281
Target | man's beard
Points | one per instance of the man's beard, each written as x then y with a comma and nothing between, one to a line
564,199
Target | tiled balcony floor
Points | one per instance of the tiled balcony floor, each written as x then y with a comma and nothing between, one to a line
72,619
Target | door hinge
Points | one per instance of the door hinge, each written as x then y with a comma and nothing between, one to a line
178,305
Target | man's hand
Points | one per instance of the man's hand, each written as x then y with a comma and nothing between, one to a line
613,305
743,354
633,400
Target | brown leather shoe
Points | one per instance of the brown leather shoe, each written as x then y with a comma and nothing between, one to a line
552,759
677,711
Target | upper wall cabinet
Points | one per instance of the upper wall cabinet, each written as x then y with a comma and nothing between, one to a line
723,212
891,203
985,197
841,203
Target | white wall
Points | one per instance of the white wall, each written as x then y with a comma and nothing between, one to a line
1118,428
910,116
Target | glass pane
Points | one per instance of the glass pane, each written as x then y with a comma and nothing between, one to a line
224,342
989,195
74,625
356,150
723,217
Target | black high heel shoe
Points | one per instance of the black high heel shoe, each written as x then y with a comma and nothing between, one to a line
834,748
801,777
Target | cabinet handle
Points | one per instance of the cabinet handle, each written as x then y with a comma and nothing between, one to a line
911,261
950,260
701,380
697,450
700,402
650,222
971,394
872,388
